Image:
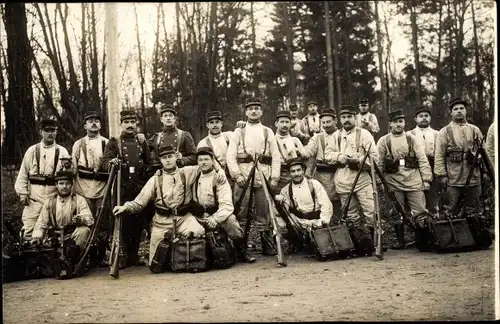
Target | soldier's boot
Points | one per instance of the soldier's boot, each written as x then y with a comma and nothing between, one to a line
372,233
267,243
241,251
363,240
400,237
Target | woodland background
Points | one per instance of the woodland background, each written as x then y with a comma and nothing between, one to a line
211,61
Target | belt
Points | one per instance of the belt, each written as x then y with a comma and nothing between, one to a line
262,159
165,211
85,173
325,167
42,180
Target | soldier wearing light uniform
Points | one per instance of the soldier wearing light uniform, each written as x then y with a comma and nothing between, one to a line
254,138
489,146
427,135
135,163
305,199
408,173
65,209
289,147
35,181
296,125
453,157
366,119
346,148
311,123
317,166
167,189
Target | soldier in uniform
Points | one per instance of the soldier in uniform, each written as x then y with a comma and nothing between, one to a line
167,189
65,209
317,166
403,161
135,160
288,146
346,148
211,198
366,119
489,146
305,199
254,139
296,125
427,136
35,181
453,158
90,183
311,123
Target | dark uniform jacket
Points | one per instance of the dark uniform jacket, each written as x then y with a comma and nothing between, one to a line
181,140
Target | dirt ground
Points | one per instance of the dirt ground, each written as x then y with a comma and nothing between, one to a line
407,285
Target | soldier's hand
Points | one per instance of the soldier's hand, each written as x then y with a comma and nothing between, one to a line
115,161
141,137
427,186
240,124
324,223
279,198
211,222
77,220
25,199
240,180
342,158
119,210
274,183
443,181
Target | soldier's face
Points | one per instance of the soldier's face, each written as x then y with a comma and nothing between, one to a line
363,107
206,163
312,109
294,113
92,125
168,119
168,161
297,173
458,112
49,134
129,126
397,126
214,126
348,121
329,123
423,119
254,112
283,125
64,187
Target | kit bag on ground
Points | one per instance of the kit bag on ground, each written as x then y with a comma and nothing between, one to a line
452,235
221,251
188,254
332,242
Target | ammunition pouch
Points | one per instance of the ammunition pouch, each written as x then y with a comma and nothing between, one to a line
391,166
184,209
38,179
455,156
89,174
322,166
164,211
264,159
469,157
310,215
411,162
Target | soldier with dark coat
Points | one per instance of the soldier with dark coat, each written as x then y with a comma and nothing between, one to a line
135,163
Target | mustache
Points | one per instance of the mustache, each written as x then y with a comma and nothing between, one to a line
130,128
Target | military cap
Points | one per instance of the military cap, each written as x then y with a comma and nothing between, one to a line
283,113
363,101
295,161
213,115
348,109
205,151
91,114
166,149
64,175
49,121
420,109
253,102
455,101
293,107
327,112
396,114
311,102
167,107
127,114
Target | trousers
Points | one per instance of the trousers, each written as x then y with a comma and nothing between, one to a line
230,226
416,203
361,208
471,198
29,217
261,217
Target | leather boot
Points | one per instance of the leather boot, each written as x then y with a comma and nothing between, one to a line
267,243
241,251
400,237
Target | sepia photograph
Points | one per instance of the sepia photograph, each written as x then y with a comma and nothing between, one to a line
249,161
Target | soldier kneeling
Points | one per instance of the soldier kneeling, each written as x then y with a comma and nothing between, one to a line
68,214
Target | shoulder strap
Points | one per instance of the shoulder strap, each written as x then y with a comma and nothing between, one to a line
266,134
53,204
83,147
159,187
290,193
56,159
119,144
179,138
389,146
409,142
279,149
243,138
195,186
103,145
358,138
209,143
214,188
313,193
322,141
73,204
37,155
226,138
449,132
183,179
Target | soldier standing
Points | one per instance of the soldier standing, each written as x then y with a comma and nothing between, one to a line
317,166
346,148
366,119
289,147
296,125
489,146
135,160
427,135
453,158
254,139
311,123
87,155
35,181
407,171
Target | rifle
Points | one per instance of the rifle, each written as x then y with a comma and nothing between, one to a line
377,239
348,201
389,193
115,247
276,233
99,218
250,182
487,163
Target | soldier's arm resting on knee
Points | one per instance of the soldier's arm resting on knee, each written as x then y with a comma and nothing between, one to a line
224,199
143,198
324,203
42,222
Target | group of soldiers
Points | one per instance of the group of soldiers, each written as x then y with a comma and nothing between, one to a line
310,164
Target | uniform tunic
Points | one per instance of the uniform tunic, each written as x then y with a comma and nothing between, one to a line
170,137
311,124
489,146
372,120
37,194
219,143
428,137
297,127
289,147
91,189
64,217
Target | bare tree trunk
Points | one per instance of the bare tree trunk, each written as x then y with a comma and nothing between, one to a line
329,55
94,65
440,89
141,72
416,57
381,72
289,48
255,85
336,59
181,53
347,62
85,80
212,50
452,81
479,76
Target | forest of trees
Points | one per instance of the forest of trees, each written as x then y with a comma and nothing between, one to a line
331,51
